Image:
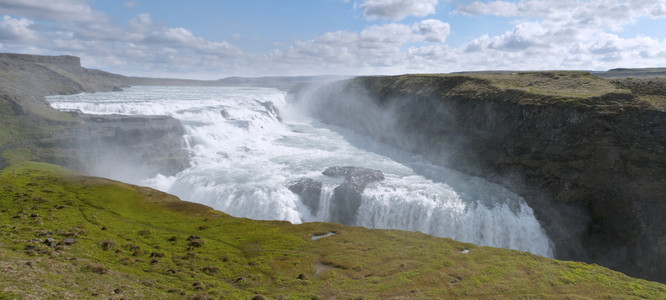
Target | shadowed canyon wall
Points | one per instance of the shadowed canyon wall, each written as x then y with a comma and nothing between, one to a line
592,167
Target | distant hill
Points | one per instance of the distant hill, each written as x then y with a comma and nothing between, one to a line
279,82
612,73
637,73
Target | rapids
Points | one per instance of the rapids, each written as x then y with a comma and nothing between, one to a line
248,144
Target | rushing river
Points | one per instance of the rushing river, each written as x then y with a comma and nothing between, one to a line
249,144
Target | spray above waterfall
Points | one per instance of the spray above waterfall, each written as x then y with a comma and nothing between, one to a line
250,146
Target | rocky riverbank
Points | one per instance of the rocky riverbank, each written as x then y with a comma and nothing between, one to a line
588,155
101,145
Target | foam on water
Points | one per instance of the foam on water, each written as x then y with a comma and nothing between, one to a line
247,144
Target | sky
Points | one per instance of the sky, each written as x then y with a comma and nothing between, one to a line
207,39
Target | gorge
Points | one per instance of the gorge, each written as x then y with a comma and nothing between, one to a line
584,154
588,157
251,147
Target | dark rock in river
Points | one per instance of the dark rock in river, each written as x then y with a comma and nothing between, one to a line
358,175
309,191
345,203
347,197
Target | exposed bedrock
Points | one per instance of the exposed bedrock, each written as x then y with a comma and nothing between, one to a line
119,147
309,191
356,175
346,198
126,147
593,169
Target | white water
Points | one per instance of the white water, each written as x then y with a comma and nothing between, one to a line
244,155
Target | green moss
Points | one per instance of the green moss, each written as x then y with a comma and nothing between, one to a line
567,88
145,244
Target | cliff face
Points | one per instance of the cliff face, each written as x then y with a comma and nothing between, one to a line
102,145
26,79
592,165
127,148
43,59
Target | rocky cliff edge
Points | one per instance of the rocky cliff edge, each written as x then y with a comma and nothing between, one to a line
33,130
588,154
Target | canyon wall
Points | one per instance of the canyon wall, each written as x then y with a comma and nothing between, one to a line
593,167
100,145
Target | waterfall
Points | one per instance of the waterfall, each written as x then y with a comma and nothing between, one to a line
249,144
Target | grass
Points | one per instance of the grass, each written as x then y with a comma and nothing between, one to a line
650,90
135,242
554,83
547,83
562,88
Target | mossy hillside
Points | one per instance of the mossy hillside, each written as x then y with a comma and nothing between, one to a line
652,90
25,138
27,121
134,242
555,83
559,88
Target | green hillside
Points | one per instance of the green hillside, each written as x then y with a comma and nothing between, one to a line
73,236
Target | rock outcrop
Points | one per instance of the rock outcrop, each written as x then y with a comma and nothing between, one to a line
102,145
346,198
43,59
592,166
126,147
310,192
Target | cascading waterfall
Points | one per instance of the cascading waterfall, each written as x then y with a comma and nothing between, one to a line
249,144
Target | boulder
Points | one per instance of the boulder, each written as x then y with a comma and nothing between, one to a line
309,191
355,174
345,202
347,197
69,241
51,242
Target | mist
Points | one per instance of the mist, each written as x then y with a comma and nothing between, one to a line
267,154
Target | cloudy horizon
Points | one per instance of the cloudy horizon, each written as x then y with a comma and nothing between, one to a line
216,39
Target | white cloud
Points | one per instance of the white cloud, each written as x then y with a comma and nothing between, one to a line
58,11
566,34
396,9
659,10
130,4
595,14
522,37
16,29
141,22
433,30
376,47
497,8
183,38
139,46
